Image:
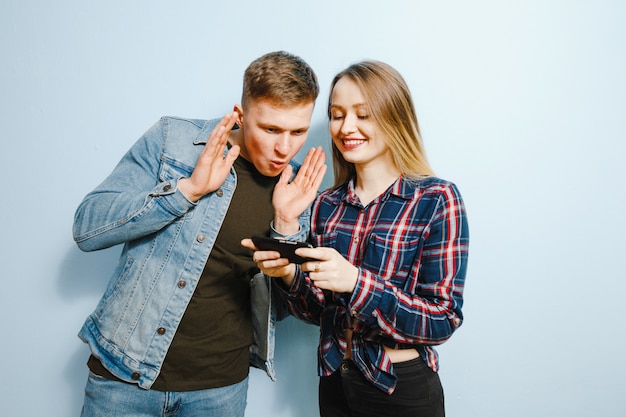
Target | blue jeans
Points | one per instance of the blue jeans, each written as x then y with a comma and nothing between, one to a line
106,398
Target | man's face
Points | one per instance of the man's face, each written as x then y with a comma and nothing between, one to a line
272,135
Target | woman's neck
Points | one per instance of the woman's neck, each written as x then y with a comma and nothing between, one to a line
373,181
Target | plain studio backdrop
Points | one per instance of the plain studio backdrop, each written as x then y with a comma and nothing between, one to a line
521,103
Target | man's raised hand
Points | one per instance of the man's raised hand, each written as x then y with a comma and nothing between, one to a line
212,166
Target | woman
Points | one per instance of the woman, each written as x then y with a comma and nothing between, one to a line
386,282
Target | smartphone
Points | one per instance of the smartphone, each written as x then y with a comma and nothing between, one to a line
286,248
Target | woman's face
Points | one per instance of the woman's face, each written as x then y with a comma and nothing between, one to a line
352,128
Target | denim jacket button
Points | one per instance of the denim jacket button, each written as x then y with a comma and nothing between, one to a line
200,238
161,331
182,283
135,375
167,187
219,192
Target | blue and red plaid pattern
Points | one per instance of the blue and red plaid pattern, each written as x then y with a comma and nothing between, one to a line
410,245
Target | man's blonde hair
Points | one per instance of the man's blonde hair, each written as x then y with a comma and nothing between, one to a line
280,78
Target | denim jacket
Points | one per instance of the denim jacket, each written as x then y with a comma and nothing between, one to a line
167,241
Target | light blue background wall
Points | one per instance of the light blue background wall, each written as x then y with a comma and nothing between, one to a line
522,104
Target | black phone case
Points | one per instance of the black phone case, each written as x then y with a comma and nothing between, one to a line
286,248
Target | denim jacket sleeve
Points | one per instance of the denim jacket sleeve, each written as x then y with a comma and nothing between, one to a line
131,202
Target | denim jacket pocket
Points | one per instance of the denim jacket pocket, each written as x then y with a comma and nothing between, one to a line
172,169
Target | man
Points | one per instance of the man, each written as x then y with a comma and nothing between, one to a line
173,333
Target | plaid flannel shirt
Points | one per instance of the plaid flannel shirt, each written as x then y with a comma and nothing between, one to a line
410,245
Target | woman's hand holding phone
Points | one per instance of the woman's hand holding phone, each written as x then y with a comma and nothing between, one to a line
327,268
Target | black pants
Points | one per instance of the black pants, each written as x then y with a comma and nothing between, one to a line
347,393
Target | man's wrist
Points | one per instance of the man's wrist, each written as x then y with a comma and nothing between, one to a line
183,186
286,228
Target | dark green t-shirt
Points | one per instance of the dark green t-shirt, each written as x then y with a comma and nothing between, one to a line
210,347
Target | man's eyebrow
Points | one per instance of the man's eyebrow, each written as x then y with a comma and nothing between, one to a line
275,127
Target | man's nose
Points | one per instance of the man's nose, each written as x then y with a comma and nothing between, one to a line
283,144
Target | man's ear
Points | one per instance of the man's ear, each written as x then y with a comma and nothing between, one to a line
239,110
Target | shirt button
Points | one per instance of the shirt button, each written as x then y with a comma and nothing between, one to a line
353,312
135,375
167,187
201,238
219,192
161,331
182,283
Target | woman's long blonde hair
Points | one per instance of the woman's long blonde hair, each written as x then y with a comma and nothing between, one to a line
391,106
